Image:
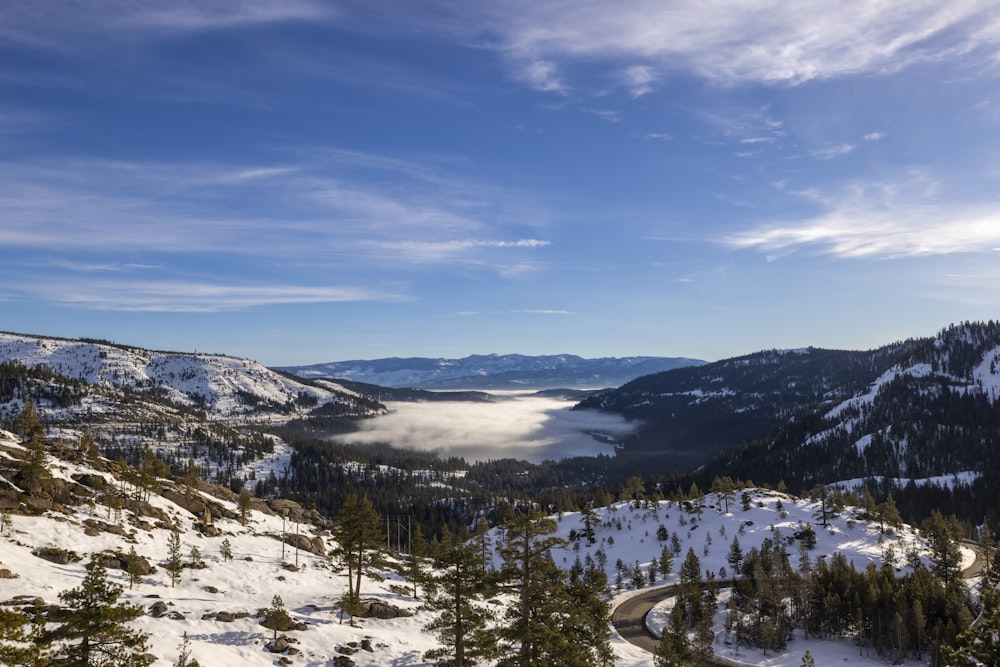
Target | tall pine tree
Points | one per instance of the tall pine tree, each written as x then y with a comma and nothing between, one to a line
455,593
95,633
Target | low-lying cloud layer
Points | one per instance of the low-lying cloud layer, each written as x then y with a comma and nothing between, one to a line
518,426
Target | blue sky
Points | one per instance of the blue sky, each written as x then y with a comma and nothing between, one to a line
299,181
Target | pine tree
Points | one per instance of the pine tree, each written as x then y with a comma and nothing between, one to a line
276,618
16,645
674,647
34,474
549,623
360,542
691,587
226,550
946,557
588,621
28,424
174,565
89,447
184,658
735,556
243,504
94,633
133,567
980,644
418,554
455,593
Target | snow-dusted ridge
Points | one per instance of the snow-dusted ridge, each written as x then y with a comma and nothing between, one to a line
224,386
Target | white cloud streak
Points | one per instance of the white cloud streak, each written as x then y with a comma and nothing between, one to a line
907,219
770,41
831,152
299,211
186,296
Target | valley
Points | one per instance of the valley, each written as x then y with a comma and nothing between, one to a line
827,466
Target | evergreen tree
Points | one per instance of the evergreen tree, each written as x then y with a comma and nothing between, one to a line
243,504
133,567
946,557
16,645
226,550
735,556
587,623
184,658
94,633
674,647
276,617
28,424
691,587
455,593
666,561
34,474
360,542
418,554
552,623
89,447
980,644
725,489
174,565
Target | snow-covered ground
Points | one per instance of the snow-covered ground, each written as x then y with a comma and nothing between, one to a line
310,592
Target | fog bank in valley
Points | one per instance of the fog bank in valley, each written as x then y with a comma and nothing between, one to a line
515,426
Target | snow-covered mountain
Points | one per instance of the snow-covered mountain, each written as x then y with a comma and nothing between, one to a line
494,371
223,386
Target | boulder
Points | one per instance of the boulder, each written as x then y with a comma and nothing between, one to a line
384,610
57,555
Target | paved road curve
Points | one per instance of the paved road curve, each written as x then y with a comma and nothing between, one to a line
629,618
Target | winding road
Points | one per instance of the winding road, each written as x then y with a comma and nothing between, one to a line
629,617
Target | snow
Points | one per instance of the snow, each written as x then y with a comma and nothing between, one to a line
181,377
917,370
623,531
950,481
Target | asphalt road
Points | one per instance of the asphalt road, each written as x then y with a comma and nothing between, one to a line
629,618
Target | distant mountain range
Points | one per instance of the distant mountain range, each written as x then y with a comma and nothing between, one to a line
493,371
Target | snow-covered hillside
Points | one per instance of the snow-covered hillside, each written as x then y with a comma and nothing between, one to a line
226,386
218,605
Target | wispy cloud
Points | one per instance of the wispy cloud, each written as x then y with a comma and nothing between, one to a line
186,296
639,79
610,116
542,75
93,205
832,151
874,136
888,220
60,26
770,41
544,311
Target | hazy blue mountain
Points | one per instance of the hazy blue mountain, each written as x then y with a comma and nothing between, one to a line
493,371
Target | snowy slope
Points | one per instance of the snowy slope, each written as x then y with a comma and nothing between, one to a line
225,386
262,568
